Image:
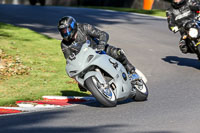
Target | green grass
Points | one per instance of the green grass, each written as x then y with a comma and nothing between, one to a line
43,55
154,12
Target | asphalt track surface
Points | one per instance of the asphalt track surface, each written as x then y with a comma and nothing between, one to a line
173,78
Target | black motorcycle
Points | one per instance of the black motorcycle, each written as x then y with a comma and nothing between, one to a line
191,34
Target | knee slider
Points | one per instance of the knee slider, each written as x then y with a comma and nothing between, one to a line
120,52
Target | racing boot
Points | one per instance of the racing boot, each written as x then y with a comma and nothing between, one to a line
136,79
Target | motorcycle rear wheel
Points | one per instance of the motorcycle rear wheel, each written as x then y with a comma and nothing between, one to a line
141,92
106,100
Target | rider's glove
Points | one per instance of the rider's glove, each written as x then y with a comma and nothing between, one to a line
175,29
101,46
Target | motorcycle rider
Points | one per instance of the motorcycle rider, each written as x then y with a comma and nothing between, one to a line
181,12
74,34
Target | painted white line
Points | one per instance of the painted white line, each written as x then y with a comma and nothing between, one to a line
26,107
30,105
31,110
69,97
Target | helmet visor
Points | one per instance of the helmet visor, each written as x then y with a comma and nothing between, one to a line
66,31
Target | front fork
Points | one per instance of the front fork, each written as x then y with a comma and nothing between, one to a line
102,85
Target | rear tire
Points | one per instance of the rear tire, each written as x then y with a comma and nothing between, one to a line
141,94
93,88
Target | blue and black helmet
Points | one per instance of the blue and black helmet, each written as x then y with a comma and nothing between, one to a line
67,27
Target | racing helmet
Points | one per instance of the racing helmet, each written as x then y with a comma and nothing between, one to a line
178,3
67,27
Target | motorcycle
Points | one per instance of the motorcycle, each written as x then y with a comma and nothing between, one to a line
105,77
191,34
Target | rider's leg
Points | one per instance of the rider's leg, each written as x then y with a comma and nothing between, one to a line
119,55
183,47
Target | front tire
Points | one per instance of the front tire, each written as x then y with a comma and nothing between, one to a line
93,87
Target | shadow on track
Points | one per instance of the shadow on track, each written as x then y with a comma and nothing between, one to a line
45,19
73,93
33,123
95,104
41,122
182,61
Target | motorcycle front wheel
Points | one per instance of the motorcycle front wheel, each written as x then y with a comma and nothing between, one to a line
141,91
104,95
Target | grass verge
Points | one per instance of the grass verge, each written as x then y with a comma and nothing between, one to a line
45,62
154,12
